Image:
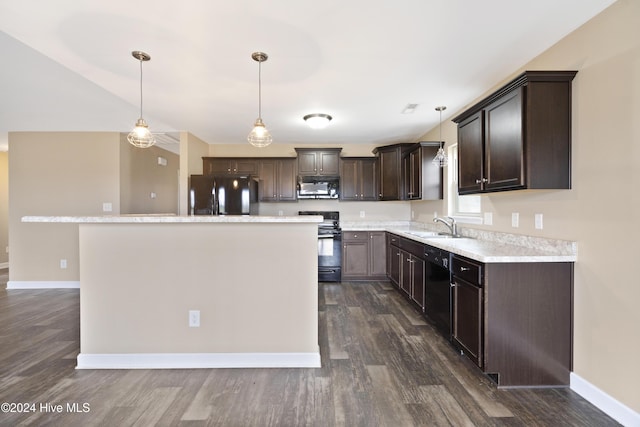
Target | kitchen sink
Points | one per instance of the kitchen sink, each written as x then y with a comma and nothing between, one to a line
431,234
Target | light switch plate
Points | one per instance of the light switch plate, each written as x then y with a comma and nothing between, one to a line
538,221
194,318
515,219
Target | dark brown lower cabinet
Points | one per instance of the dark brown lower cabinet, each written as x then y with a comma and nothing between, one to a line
393,258
406,265
514,320
467,318
364,255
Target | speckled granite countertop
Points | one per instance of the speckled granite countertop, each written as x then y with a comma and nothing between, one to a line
480,245
155,219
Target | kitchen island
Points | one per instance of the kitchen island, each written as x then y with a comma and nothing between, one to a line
146,281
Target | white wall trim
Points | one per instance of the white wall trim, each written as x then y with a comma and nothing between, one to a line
24,284
198,360
615,409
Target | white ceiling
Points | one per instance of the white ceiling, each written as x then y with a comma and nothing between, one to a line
67,66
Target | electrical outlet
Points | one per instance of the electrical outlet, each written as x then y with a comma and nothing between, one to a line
63,263
361,214
280,213
538,221
488,218
515,219
153,195
413,214
194,318
107,207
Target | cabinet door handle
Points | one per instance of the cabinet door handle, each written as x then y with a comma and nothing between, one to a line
478,181
464,269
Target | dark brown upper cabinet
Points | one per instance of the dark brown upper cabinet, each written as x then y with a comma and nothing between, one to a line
229,166
390,178
318,162
359,178
519,137
422,178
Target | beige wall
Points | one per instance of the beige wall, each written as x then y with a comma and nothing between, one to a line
256,292
192,150
4,208
284,150
600,212
141,175
57,173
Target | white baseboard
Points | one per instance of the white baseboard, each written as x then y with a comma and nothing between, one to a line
198,360
27,284
607,404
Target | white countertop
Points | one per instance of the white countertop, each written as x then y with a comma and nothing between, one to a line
156,219
486,247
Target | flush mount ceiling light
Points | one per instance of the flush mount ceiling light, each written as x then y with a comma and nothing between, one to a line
141,136
259,135
317,120
441,158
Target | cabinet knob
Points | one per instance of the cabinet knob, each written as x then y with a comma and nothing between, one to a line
478,181
355,236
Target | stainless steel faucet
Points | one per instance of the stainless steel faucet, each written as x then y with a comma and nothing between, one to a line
451,224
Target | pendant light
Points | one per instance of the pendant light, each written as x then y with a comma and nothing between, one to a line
141,136
259,135
441,158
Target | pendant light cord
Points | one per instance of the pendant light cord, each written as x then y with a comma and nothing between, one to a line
260,90
440,127
140,88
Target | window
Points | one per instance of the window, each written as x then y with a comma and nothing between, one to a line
462,208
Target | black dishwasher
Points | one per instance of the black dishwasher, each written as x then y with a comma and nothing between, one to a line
438,289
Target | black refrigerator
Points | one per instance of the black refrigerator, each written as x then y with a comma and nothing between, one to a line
223,195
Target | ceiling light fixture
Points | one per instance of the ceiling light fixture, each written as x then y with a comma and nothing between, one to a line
141,136
317,120
441,158
259,135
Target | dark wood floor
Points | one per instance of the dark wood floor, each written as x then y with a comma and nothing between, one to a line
382,365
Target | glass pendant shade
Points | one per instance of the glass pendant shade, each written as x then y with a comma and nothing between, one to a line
259,135
440,158
141,136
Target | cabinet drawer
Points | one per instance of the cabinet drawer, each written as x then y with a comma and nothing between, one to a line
393,239
466,269
355,236
414,248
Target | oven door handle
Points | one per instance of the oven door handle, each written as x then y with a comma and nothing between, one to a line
326,236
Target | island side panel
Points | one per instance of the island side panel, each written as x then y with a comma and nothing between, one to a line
254,284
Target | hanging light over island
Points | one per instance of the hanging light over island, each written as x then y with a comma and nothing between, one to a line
141,136
259,135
